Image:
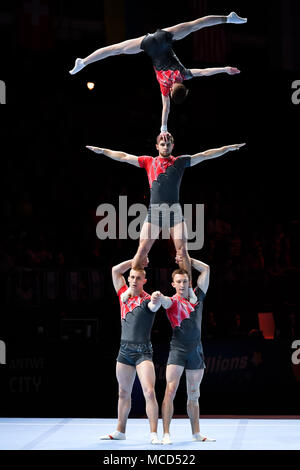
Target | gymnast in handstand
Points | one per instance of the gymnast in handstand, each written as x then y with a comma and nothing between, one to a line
169,71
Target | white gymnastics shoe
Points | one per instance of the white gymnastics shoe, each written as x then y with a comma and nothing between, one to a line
116,435
166,439
154,439
236,19
200,438
79,64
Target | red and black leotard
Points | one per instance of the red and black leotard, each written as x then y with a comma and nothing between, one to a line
167,66
164,175
186,319
136,318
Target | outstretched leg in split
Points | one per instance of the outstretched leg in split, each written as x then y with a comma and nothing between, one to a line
131,46
182,30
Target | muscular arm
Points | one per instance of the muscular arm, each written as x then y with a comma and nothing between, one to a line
213,71
213,153
116,155
203,279
165,111
117,274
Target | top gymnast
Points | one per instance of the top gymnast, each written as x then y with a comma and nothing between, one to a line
170,72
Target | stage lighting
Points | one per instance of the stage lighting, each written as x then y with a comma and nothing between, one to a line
90,85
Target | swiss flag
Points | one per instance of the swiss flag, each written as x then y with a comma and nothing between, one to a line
35,25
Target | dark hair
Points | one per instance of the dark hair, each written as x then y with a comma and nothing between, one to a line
170,138
179,271
179,93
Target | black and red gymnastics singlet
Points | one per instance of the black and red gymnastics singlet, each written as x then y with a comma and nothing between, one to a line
136,318
167,66
164,176
186,318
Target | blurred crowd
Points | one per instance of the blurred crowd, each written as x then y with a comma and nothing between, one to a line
46,264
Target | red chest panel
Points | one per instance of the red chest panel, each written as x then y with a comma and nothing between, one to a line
132,302
155,166
179,310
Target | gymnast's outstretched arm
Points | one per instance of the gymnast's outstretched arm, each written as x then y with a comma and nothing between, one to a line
213,153
213,71
116,155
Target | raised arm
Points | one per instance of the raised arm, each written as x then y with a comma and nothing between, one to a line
117,274
116,155
165,113
213,153
203,279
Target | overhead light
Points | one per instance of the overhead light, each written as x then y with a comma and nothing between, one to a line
90,85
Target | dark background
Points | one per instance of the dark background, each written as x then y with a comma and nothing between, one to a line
59,314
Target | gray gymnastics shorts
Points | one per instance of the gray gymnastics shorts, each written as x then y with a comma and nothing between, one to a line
132,354
189,357
164,215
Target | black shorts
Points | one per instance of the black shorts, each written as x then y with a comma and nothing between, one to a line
132,354
190,358
164,215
